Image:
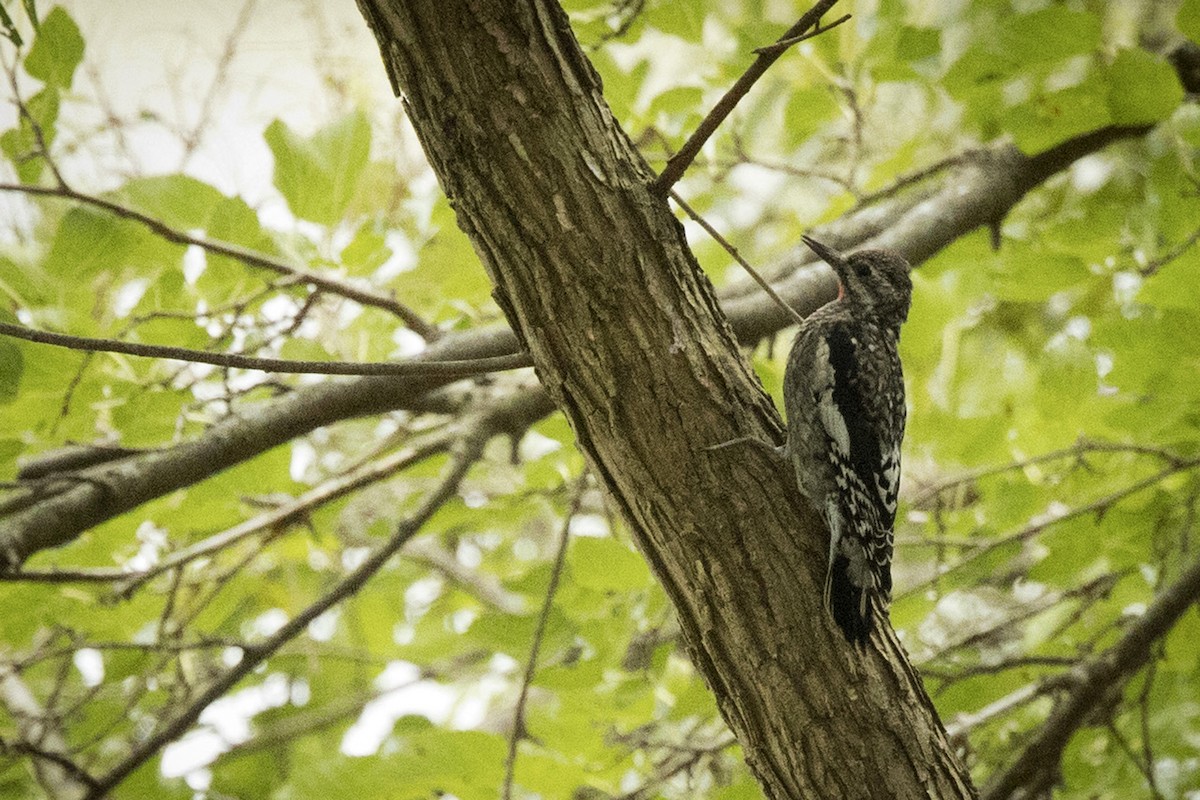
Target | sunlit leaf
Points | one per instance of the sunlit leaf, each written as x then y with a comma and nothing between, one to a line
318,175
57,49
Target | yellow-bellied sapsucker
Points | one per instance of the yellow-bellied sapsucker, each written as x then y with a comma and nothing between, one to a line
844,396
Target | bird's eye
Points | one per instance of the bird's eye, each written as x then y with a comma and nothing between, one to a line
862,269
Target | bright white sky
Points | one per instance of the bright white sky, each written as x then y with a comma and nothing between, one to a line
162,57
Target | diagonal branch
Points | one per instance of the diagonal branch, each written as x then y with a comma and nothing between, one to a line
766,57
1035,769
366,297
518,723
476,435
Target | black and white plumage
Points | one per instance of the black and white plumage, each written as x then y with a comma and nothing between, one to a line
844,396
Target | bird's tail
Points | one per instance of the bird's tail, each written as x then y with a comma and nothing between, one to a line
851,603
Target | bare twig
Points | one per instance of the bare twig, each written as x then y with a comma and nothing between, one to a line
681,760
334,286
783,44
478,432
679,162
711,231
326,493
1153,266
1076,451
36,127
1035,768
962,724
192,137
518,723
465,368
482,586
975,670
1098,506
56,771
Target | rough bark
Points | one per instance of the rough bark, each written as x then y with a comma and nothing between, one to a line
594,275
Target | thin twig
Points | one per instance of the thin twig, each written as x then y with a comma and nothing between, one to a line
1153,266
191,138
366,297
464,368
281,516
482,586
472,447
59,776
1037,765
679,162
1098,506
962,724
35,127
1076,451
784,44
711,231
976,670
518,723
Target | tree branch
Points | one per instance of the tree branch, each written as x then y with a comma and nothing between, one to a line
767,56
518,724
446,369
1098,506
1035,769
476,434
366,297
56,771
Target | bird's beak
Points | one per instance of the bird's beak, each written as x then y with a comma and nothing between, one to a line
830,256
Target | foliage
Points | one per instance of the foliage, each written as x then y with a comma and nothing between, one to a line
1051,474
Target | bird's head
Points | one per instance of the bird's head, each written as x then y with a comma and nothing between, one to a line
873,281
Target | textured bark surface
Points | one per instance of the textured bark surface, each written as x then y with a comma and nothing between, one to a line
594,275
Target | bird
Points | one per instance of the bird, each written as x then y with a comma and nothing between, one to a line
843,392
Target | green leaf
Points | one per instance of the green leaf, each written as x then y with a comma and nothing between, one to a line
606,564
21,144
57,50
914,44
179,201
685,20
89,242
12,365
1142,89
465,763
807,111
1050,34
1052,118
318,176
1026,43
1033,275
1188,19
1177,285
367,251
148,417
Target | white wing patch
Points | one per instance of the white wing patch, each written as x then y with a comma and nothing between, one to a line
830,415
834,423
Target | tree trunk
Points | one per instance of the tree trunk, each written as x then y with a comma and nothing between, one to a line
593,273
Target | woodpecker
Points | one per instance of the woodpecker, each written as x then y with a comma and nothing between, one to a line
843,392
